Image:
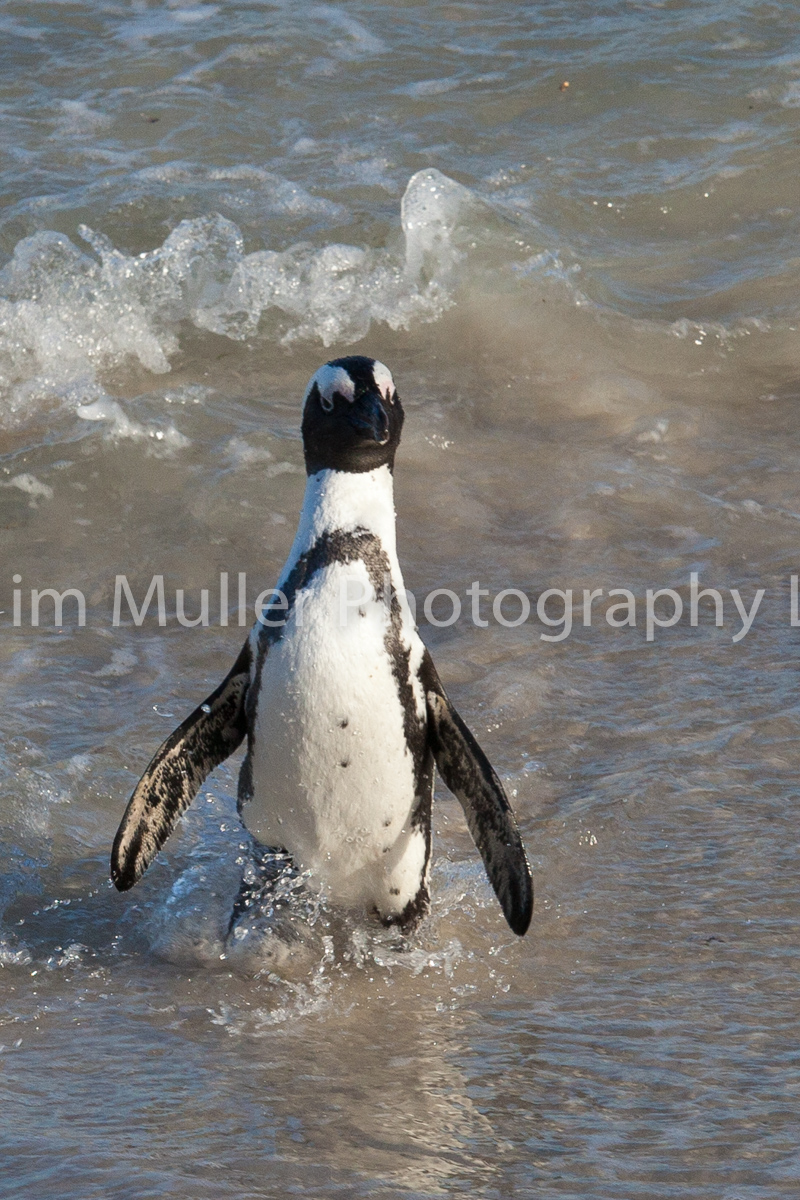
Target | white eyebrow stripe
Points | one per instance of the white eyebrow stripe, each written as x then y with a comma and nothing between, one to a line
332,379
383,379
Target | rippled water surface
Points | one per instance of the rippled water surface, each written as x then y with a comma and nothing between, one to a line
588,296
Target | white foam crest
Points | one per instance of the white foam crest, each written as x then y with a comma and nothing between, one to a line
335,293
67,316
64,316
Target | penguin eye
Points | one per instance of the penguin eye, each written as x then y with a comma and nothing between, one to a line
328,402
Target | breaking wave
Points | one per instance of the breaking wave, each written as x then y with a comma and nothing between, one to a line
67,314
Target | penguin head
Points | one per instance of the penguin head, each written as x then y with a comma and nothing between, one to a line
352,416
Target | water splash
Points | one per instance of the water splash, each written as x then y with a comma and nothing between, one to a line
68,316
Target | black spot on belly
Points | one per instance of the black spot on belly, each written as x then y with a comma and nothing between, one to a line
345,721
345,762
394,891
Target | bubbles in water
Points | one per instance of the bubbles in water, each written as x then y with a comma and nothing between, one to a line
71,956
14,956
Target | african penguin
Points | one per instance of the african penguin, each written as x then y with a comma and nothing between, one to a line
343,711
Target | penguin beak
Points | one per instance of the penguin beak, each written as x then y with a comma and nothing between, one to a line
368,415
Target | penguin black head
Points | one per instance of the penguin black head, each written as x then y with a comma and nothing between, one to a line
352,416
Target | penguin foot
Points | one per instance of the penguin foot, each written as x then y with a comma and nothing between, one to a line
271,927
266,882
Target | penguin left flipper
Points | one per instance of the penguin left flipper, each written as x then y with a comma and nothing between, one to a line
208,736
470,777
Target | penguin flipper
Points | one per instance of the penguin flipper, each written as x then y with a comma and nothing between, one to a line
208,735
470,777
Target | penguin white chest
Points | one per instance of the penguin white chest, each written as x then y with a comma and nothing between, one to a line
333,776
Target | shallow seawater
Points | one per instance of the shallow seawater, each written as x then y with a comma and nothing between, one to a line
588,296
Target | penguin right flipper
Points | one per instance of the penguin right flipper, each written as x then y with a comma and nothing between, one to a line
470,777
208,736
